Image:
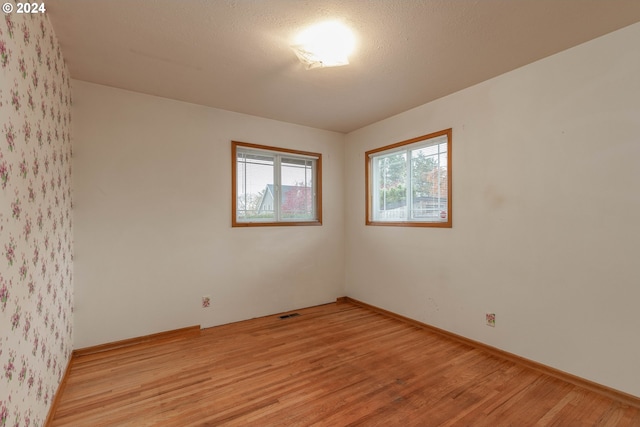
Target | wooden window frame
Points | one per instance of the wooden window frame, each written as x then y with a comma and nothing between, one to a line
279,150
369,191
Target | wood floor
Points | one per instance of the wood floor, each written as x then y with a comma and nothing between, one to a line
333,365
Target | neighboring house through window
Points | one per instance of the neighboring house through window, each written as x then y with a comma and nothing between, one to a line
275,186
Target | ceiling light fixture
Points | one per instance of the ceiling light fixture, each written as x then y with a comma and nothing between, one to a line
327,44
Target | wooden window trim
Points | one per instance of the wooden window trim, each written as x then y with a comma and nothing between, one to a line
234,188
368,195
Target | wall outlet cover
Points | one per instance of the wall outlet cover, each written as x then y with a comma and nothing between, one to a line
206,302
491,319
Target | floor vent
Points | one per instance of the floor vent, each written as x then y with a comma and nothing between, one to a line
286,316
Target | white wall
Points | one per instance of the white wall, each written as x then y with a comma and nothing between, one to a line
152,218
546,215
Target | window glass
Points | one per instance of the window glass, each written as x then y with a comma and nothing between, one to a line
409,183
275,186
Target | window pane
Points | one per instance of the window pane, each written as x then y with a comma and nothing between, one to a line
429,190
408,183
391,187
297,189
255,186
275,186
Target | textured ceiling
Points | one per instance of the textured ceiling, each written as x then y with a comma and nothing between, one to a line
235,55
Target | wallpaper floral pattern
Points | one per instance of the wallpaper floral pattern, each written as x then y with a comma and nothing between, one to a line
36,290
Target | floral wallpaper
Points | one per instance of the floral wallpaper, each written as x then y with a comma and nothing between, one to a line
36,283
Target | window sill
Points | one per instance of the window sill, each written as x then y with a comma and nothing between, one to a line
410,224
275,224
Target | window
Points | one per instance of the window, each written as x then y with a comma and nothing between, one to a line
275,186
409,183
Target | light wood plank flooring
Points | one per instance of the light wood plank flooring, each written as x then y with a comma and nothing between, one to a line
333,365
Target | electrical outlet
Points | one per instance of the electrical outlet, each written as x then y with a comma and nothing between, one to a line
206,301
491,319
